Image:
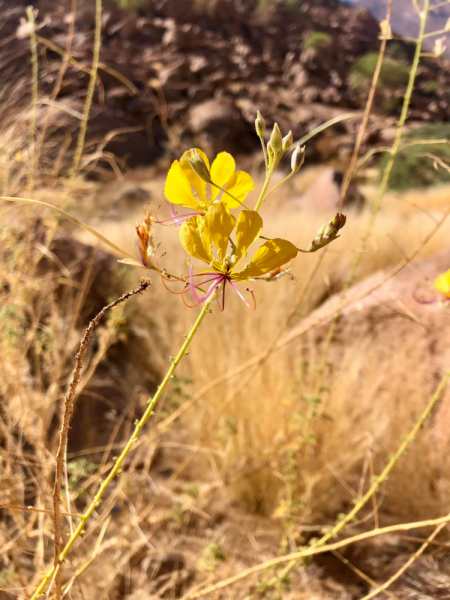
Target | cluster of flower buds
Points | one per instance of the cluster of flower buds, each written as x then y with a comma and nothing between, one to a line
278,145
145,241
327,233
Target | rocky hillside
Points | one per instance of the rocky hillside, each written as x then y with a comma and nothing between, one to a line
197,73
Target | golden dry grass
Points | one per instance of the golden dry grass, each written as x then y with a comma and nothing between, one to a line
273,464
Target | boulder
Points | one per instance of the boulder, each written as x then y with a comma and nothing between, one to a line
389,353
218,125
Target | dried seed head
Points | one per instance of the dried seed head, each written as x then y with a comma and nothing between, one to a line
298,158
145,242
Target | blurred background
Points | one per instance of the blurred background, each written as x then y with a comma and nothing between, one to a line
279,418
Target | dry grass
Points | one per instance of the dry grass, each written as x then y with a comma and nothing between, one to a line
305,474
257,445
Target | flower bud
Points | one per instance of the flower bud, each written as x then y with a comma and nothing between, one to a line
260,124
288,140
327,233
275,144
298,158
198,165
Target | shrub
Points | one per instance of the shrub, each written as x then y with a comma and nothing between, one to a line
317,39
132,5
393,72
412,170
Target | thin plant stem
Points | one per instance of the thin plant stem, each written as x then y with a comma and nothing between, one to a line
228,194
382,188
34,97
291,174
61,73
91,88
279,560
118,463
368,109
69,401
266,158
264,188
36,510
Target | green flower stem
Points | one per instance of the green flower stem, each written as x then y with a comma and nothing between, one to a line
377,481
228,194
117,465
281,183
266,158
262,195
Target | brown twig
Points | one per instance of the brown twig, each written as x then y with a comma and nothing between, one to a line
69,400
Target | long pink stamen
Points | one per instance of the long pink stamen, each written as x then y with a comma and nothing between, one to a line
242,297
196,297
178,220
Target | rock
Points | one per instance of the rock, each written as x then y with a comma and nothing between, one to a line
397,346
219,125
232,52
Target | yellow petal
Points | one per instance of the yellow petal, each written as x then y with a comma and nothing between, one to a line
221,171
248,230
442,283
271,255
219,224
178,189
239,185
195,240
197,183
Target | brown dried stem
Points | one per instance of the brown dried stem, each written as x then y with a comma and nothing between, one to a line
69,400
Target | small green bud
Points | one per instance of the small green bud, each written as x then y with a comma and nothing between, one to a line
197,164
260,124
298,158
275,144
288,140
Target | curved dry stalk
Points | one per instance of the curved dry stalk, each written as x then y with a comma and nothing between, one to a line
69,400
408,563
274,562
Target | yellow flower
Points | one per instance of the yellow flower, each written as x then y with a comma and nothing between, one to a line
208,239
185,187
442,283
